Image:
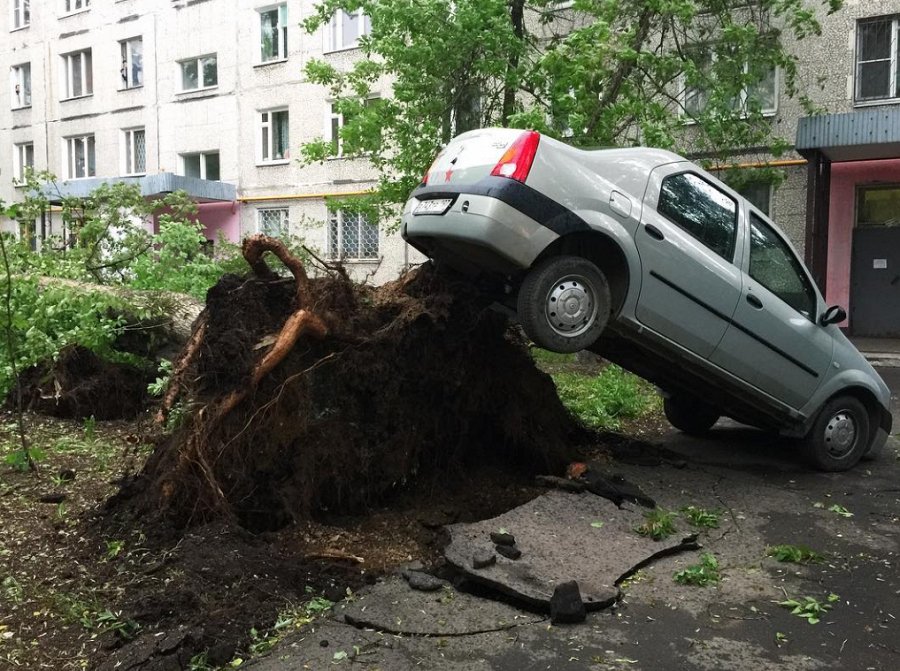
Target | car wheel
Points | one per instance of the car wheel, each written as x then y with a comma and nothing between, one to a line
689,414
840,435
564,303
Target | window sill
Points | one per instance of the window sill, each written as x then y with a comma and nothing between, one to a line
357,262
274,61
75,13
768,114
266,164
20,108
25,27
131,88
340,50
876,103
88,95
200,90
134,174
78,179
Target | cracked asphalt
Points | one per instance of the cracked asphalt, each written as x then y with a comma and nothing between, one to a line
765,495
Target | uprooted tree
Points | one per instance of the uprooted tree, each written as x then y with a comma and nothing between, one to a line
301,394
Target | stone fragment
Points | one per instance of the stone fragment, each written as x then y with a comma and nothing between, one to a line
424,582
503,538
566,606
508,551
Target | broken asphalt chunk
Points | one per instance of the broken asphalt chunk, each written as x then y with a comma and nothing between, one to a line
424,582
566,606
482,558
503,538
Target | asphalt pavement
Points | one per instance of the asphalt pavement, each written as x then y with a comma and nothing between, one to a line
764,495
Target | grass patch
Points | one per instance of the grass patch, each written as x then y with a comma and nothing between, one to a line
794,554
602,401
702,574
546,356
700,517
658,524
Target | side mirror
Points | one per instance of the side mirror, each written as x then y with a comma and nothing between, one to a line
833,315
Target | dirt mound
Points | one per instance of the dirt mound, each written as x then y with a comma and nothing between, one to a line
306,395
79,384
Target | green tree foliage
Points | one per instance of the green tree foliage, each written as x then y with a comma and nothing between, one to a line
679,74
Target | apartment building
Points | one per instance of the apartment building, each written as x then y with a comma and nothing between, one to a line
207,96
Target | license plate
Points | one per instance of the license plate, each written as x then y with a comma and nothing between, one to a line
435,206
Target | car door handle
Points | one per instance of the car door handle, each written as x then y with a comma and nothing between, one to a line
654,232
754,301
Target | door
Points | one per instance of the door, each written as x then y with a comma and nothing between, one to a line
774,341
875,263
687,241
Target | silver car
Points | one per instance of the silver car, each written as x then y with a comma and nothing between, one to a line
645,258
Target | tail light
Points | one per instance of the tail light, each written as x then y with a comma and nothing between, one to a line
516,161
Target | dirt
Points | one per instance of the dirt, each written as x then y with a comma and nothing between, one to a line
419,408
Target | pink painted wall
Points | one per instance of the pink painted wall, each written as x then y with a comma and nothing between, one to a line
845,177
221,217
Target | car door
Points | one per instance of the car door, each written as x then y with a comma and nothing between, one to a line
687,241
774,341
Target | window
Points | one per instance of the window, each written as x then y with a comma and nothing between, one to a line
759,194
351,236
335,121
23,159
774,266
273,33
21,14
203,165
273,221
134,154
76,5
708,214
77,74
273,136
345,29
878,206
132,70
878,59
762,93
20,80
79,152
199,73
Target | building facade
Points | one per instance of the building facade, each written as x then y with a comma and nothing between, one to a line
207,96
210,96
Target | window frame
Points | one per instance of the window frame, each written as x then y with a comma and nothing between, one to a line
129,151
737,210
18,80
87,74
127,70
795,263
204,168
334,246
20,155
766,112
333,29
19,14
264,147
70,9
861,191
333,133
198,62
281,54
770,189
284,224
89,143
893,62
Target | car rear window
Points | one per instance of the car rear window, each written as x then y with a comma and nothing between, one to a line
698,207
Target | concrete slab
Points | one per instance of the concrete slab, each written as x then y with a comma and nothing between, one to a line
563,536
393,607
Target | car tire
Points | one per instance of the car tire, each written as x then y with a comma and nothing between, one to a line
840,435
575,282
690,415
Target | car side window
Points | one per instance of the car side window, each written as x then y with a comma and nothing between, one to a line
695,205
773,264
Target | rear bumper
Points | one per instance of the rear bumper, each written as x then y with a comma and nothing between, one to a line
495,224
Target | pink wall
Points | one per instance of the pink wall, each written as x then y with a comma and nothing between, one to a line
221,217
845,177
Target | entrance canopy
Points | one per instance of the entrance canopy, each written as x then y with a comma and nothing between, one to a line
864,134
199,190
